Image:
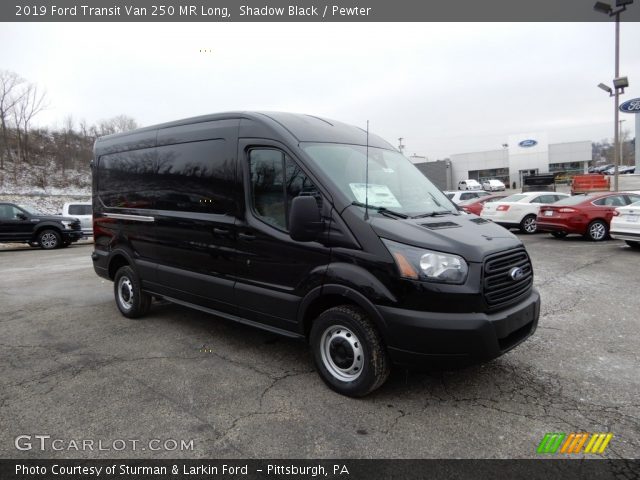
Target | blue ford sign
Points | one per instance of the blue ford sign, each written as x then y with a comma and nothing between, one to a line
528,143
631,106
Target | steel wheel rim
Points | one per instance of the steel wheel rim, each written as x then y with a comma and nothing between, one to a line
125,293
341,353
597,231
48,240
530,225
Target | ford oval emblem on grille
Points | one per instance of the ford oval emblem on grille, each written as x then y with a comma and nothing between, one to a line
516,273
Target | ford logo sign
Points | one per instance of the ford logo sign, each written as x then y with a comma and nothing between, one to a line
528,143
516,273
631,106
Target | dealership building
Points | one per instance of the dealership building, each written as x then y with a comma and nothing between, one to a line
524,154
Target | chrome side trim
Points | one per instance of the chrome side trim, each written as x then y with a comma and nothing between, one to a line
135,218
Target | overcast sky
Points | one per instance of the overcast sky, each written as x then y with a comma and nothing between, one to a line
445,88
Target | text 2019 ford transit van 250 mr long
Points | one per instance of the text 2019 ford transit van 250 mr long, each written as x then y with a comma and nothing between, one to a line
278,220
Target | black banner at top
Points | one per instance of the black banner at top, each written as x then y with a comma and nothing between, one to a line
313,11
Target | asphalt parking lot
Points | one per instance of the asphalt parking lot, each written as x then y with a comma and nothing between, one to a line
73,368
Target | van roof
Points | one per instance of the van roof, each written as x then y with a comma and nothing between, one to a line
302,127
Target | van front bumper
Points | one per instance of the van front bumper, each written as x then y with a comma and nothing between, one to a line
423,339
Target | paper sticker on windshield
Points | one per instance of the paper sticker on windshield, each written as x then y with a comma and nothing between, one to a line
379,195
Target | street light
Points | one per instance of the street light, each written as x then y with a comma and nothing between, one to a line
606,88
619,83
621,143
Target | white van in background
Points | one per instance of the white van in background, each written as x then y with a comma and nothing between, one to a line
83,212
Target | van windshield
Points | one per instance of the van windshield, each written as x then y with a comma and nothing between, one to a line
394,182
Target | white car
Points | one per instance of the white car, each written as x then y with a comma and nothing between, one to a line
460,196
82,211
625,225
469,184
493,185
520,210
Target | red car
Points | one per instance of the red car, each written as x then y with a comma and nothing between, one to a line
475,205
588,215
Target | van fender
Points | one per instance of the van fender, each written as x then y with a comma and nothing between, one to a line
358,278
119,252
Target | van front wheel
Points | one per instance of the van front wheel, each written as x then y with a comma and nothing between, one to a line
348,351
130,299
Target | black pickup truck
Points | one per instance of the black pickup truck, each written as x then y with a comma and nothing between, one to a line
19,223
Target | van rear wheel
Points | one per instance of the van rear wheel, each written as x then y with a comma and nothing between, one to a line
348,351
130,299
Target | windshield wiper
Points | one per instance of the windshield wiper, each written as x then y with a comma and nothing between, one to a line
435,213
383,210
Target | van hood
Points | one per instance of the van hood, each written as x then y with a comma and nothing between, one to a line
469,236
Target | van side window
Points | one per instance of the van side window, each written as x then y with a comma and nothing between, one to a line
275,181
189,177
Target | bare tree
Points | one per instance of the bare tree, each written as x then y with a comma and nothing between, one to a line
10,95
31,103
121,123
67,139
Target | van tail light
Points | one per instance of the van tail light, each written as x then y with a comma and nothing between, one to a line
502,208
567,210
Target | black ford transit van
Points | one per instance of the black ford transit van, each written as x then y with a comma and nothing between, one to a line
309,228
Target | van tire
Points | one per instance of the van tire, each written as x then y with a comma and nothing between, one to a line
348,351
130,299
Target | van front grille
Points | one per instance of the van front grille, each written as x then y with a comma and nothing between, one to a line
507,277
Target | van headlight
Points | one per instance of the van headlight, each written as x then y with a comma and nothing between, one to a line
66,224
427,265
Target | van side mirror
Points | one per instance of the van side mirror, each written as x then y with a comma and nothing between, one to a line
305,224
22,216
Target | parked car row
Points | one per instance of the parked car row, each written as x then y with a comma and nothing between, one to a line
609,169
622,170
596,216
588,215
23,223
520,210
492,185
461,196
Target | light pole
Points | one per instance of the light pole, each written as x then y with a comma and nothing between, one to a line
621,136
619,83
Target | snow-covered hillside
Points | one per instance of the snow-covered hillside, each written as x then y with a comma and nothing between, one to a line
45,188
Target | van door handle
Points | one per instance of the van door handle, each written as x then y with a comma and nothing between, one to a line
221,231
246,236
